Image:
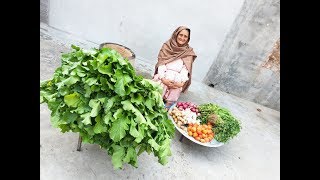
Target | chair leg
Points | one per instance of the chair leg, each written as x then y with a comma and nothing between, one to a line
79,143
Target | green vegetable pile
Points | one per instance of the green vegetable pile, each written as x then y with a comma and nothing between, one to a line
225,127
97,93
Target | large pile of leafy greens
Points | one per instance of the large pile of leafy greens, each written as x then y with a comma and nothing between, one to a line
97,93
226,126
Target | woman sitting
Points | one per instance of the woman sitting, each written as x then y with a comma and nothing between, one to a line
174,67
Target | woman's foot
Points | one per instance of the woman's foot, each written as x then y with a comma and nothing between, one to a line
168,104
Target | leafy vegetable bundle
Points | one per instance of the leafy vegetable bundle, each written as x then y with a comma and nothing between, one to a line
97,93
225,125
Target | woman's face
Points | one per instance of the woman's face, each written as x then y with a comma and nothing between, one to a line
182,37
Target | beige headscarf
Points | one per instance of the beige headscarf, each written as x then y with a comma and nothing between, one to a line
170,51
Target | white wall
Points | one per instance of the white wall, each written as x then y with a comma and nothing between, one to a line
144,25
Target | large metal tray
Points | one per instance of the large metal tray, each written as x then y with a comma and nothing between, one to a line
212,143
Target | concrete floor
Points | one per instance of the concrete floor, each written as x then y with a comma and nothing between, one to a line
253,155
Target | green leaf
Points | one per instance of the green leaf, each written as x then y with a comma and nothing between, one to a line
131,156
130,89
111,86
81,73
152,126
106,69
118,129
122,61
137,98
65,69
95,105
94,64
55,118
154,144
90,131
86,118
88,91
109,103
48,96
102,57
75,47
122,80
71,80
72,100
82,108
143,147
69,117
158,98
117,156
150,103
99,126
41,99
135,133
118,114
64,128
108,117
127,141
127,105
90,52
169,127
91,81
164,152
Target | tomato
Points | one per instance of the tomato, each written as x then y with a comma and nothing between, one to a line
199,132
194,134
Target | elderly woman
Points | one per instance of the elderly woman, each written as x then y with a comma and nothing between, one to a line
174,67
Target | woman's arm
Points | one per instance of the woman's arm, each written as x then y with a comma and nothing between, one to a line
167,82
176,85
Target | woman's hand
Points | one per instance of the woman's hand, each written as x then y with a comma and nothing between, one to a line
176,85
172,84
167,82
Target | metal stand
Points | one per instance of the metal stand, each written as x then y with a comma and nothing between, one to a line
79,143
181,137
